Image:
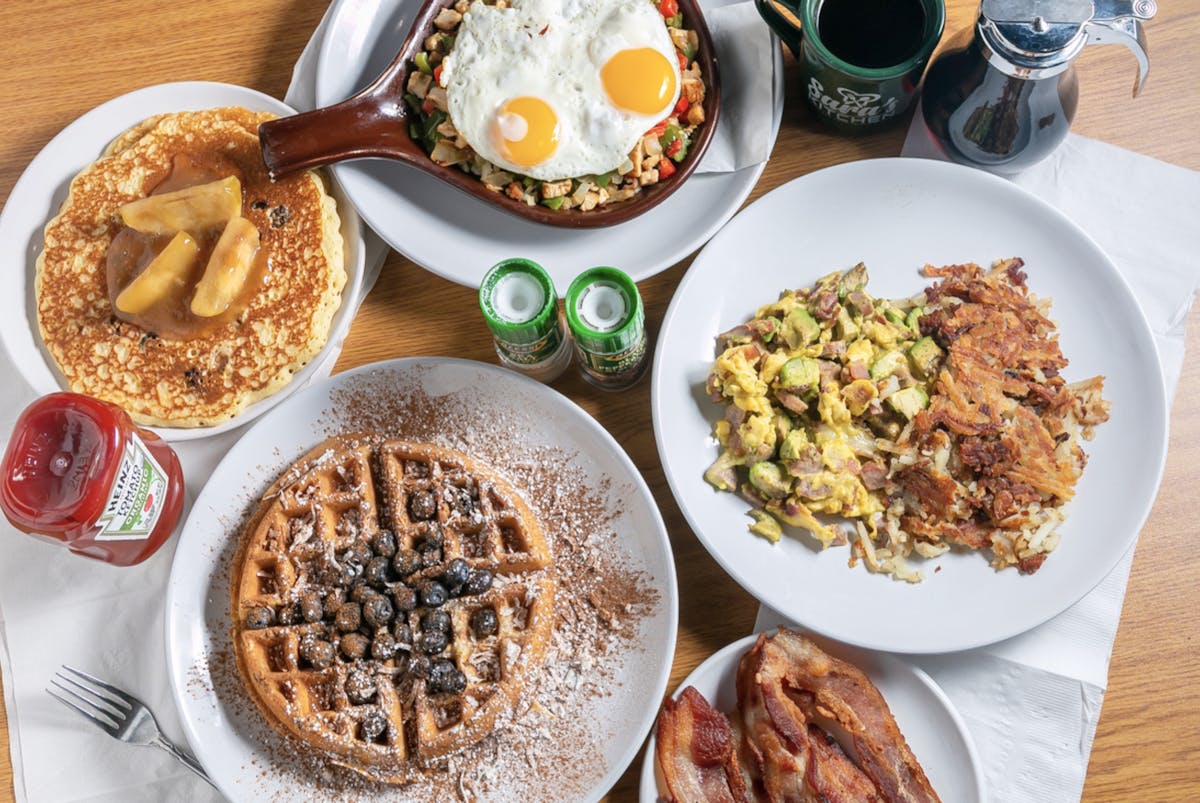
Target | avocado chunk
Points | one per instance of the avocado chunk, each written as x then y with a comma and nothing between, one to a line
847,329
853,279
765,525
908,401
800,328
791,447
925,356
886,365
721,474
770,480
913,321
800,374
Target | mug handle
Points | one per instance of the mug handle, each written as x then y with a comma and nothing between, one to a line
784,28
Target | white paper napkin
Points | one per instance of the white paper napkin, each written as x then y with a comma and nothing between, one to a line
1032,702
745,54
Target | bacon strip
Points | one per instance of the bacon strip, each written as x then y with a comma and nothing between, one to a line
696,752
788,667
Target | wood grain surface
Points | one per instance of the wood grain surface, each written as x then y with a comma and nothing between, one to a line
62,58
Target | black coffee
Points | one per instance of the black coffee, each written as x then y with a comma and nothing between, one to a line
872,33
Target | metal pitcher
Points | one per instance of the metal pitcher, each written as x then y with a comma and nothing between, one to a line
1003,94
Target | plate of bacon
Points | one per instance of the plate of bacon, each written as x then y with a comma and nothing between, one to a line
778,716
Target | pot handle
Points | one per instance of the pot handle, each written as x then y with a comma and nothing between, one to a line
784,28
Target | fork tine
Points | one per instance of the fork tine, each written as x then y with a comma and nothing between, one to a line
125,699
95,699
102,722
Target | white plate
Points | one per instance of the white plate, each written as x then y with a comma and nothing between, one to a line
42,188
527,415
896,215
458,236
931,725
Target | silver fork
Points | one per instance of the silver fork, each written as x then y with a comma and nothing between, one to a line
119,714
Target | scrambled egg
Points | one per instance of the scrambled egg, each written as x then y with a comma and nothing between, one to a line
815,386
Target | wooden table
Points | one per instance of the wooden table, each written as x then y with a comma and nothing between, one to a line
62,58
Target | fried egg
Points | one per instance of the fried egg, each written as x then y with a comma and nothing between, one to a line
556,89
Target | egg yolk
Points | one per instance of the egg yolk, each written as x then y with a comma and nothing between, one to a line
527,129
639,80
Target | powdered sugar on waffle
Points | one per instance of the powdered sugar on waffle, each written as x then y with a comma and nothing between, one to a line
558,728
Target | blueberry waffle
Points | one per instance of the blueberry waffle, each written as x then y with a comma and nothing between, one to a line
388,599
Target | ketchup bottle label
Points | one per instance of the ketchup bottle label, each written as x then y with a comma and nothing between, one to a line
137,497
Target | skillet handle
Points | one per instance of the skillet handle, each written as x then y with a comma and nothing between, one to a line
372,123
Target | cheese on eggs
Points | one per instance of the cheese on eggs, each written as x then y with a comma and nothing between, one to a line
556,89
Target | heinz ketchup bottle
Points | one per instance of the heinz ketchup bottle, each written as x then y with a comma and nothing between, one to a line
79,473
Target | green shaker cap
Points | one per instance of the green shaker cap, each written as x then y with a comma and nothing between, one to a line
518,301
604,311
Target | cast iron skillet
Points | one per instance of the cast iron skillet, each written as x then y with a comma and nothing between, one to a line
374,123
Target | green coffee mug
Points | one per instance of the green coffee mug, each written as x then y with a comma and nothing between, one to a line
861,60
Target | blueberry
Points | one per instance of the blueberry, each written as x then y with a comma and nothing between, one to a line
317,652
433,594
376,572
433,538
404,598
422,505
373,724
355,556
457,572
446,678
406,562
384,543
259,617
383,646
348,617
377,611
354,645
433,642
436,620
479,582
311,609
360,685
484,623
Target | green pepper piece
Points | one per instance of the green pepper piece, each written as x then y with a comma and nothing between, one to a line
671,134
554,203
676,21
435,118
414,103
414,131
422,62
679,157
603,179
